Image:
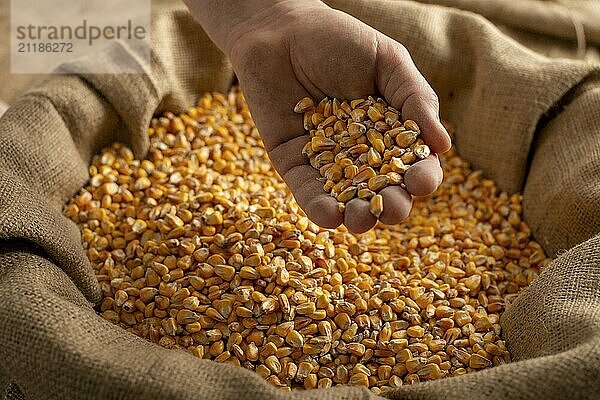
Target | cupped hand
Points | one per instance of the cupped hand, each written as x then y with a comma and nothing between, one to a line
296,49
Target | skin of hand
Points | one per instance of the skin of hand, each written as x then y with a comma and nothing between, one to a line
287,50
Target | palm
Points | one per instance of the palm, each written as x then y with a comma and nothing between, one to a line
337,56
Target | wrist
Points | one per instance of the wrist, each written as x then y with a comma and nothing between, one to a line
227,22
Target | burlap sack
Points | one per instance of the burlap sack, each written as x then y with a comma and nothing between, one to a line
530,122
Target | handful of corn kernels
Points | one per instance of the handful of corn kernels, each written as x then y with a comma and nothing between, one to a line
360,147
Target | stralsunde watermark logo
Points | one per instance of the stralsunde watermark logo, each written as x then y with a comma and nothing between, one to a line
48,33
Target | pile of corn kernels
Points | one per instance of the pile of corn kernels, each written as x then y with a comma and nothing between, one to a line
202,247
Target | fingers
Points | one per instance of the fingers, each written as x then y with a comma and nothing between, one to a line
305,182
422,107
403,86
424,177
320,207
421,179
357,217
397,203
406,89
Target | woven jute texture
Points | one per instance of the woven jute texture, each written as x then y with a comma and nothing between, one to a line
531,122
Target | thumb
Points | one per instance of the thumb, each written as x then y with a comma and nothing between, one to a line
403,86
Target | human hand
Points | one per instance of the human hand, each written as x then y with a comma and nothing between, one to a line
289,50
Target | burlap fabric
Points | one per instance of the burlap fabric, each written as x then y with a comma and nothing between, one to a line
530,122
